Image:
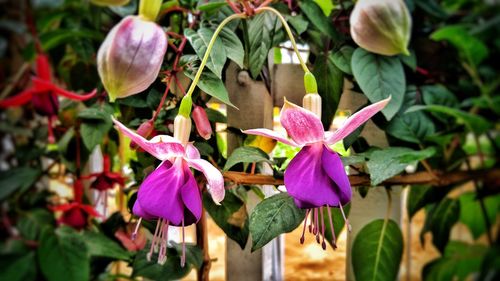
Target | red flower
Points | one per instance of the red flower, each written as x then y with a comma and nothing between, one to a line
43,93
75,214
106,179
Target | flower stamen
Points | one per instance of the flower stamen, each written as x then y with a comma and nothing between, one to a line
153,243
183,257
304,228
323,244
345,218
334,242
134,234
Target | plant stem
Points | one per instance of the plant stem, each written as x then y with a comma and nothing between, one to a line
209,49
288,31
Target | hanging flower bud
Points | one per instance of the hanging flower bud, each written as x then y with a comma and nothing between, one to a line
109,2
130,57
382,26
200,119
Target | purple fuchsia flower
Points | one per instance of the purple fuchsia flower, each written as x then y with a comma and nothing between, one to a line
170,193
316,177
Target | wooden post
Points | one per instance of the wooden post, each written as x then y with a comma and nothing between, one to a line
255,111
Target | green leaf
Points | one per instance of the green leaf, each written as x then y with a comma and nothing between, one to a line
470,47
194,255
386,163
410,61
377,251
210,84
231,216
19,267
171,270
440,219
422,195
439,95
215,115
54,38
272,217
338,221
30,225
96,124
261,32
458,262
432,8
330,85
233,46
246,154
63,255
342,59
491,264
19,178
199,40
475,123
211,6
380,77
316,16
411,127
100,245
471,213
298,22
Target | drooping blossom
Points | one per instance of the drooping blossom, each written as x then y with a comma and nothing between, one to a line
105,181
75,214
170,193
316,177
43,94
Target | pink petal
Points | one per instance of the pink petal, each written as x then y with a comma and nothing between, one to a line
356,120
162,147
214,178
192,152
271,134
302,125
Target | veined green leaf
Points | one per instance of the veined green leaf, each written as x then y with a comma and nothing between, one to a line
377,251
380,77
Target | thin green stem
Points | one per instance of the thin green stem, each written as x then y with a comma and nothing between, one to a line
209,49
288,31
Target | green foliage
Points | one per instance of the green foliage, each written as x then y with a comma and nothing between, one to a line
262,31
440,219
380,77
459,260
18,179
377,251
386,163
63,254
412,127
231,216
330,84
199,41
172,269
246,154
272,217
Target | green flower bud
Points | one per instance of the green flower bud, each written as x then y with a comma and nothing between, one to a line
381,26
